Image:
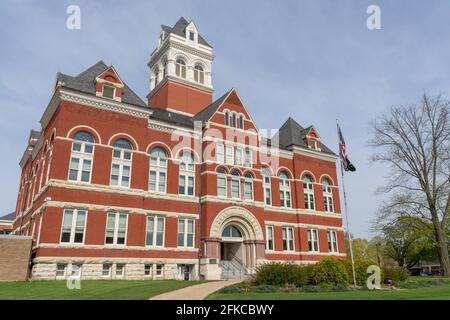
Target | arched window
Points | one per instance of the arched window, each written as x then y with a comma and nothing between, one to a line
164,68
235,184
156,72
180,68
308,190
199,74
327,196
267,186
121,163
186,179
285,190
227,118
221,182
81,157
231,232
248,186
233,121
241,122
158,170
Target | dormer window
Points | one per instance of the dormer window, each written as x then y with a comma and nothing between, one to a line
191,36
313,144
109,91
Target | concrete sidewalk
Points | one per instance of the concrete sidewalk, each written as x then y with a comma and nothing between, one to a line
197,292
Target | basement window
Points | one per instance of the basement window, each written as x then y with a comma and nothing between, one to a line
108,91
61,270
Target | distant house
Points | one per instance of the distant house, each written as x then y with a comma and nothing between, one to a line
426,268
6,223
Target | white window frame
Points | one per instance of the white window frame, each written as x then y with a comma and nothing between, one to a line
220,153
313,240
116,228
229,154
185,232
122,274
236,180
328,205
73,226
248,181
248,158
121,162
161,275
109,270
288,236
180,68
150,269
333,246
285,190
308,191
239,156
63,276
109,86
222,176
155,218
267,186
159,169
270,231
186,173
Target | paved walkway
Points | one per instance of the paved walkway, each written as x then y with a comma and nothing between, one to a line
196,292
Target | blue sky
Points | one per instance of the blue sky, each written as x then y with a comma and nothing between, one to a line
313,60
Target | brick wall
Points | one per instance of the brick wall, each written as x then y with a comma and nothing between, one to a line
14,257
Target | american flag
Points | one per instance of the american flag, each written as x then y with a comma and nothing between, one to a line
346,164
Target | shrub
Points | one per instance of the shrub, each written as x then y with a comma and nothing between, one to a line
395,274
280,274
329,271
310,288
265,288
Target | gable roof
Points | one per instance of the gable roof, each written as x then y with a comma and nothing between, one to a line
180,30
209,111
292,133
85,82
8,217
172,117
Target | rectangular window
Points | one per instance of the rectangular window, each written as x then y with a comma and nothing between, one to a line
80,169
61,270
186,185
269,240
147,270
222,186
159,270
108,91
239,155
220,153
116,228
248,158
191,36
229,155
235,188
332,241
157,181
267,195
155,231
248,190
186,233
120,270
73,225
288,239
313,240
106,271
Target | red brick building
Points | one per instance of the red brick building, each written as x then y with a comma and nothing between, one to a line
113,187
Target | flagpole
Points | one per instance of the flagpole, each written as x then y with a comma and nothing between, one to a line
346,213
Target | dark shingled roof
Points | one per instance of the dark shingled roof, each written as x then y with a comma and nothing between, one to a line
85,82
8,217
35,134
180,30
209,111
172,117
293,134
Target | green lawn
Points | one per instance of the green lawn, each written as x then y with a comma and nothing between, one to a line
99,289
434,292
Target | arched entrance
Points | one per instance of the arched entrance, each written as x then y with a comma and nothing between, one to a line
236,240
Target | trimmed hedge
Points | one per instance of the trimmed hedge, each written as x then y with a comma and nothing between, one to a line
281,274
329,271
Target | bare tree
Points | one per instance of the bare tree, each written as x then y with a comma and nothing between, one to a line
415,142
